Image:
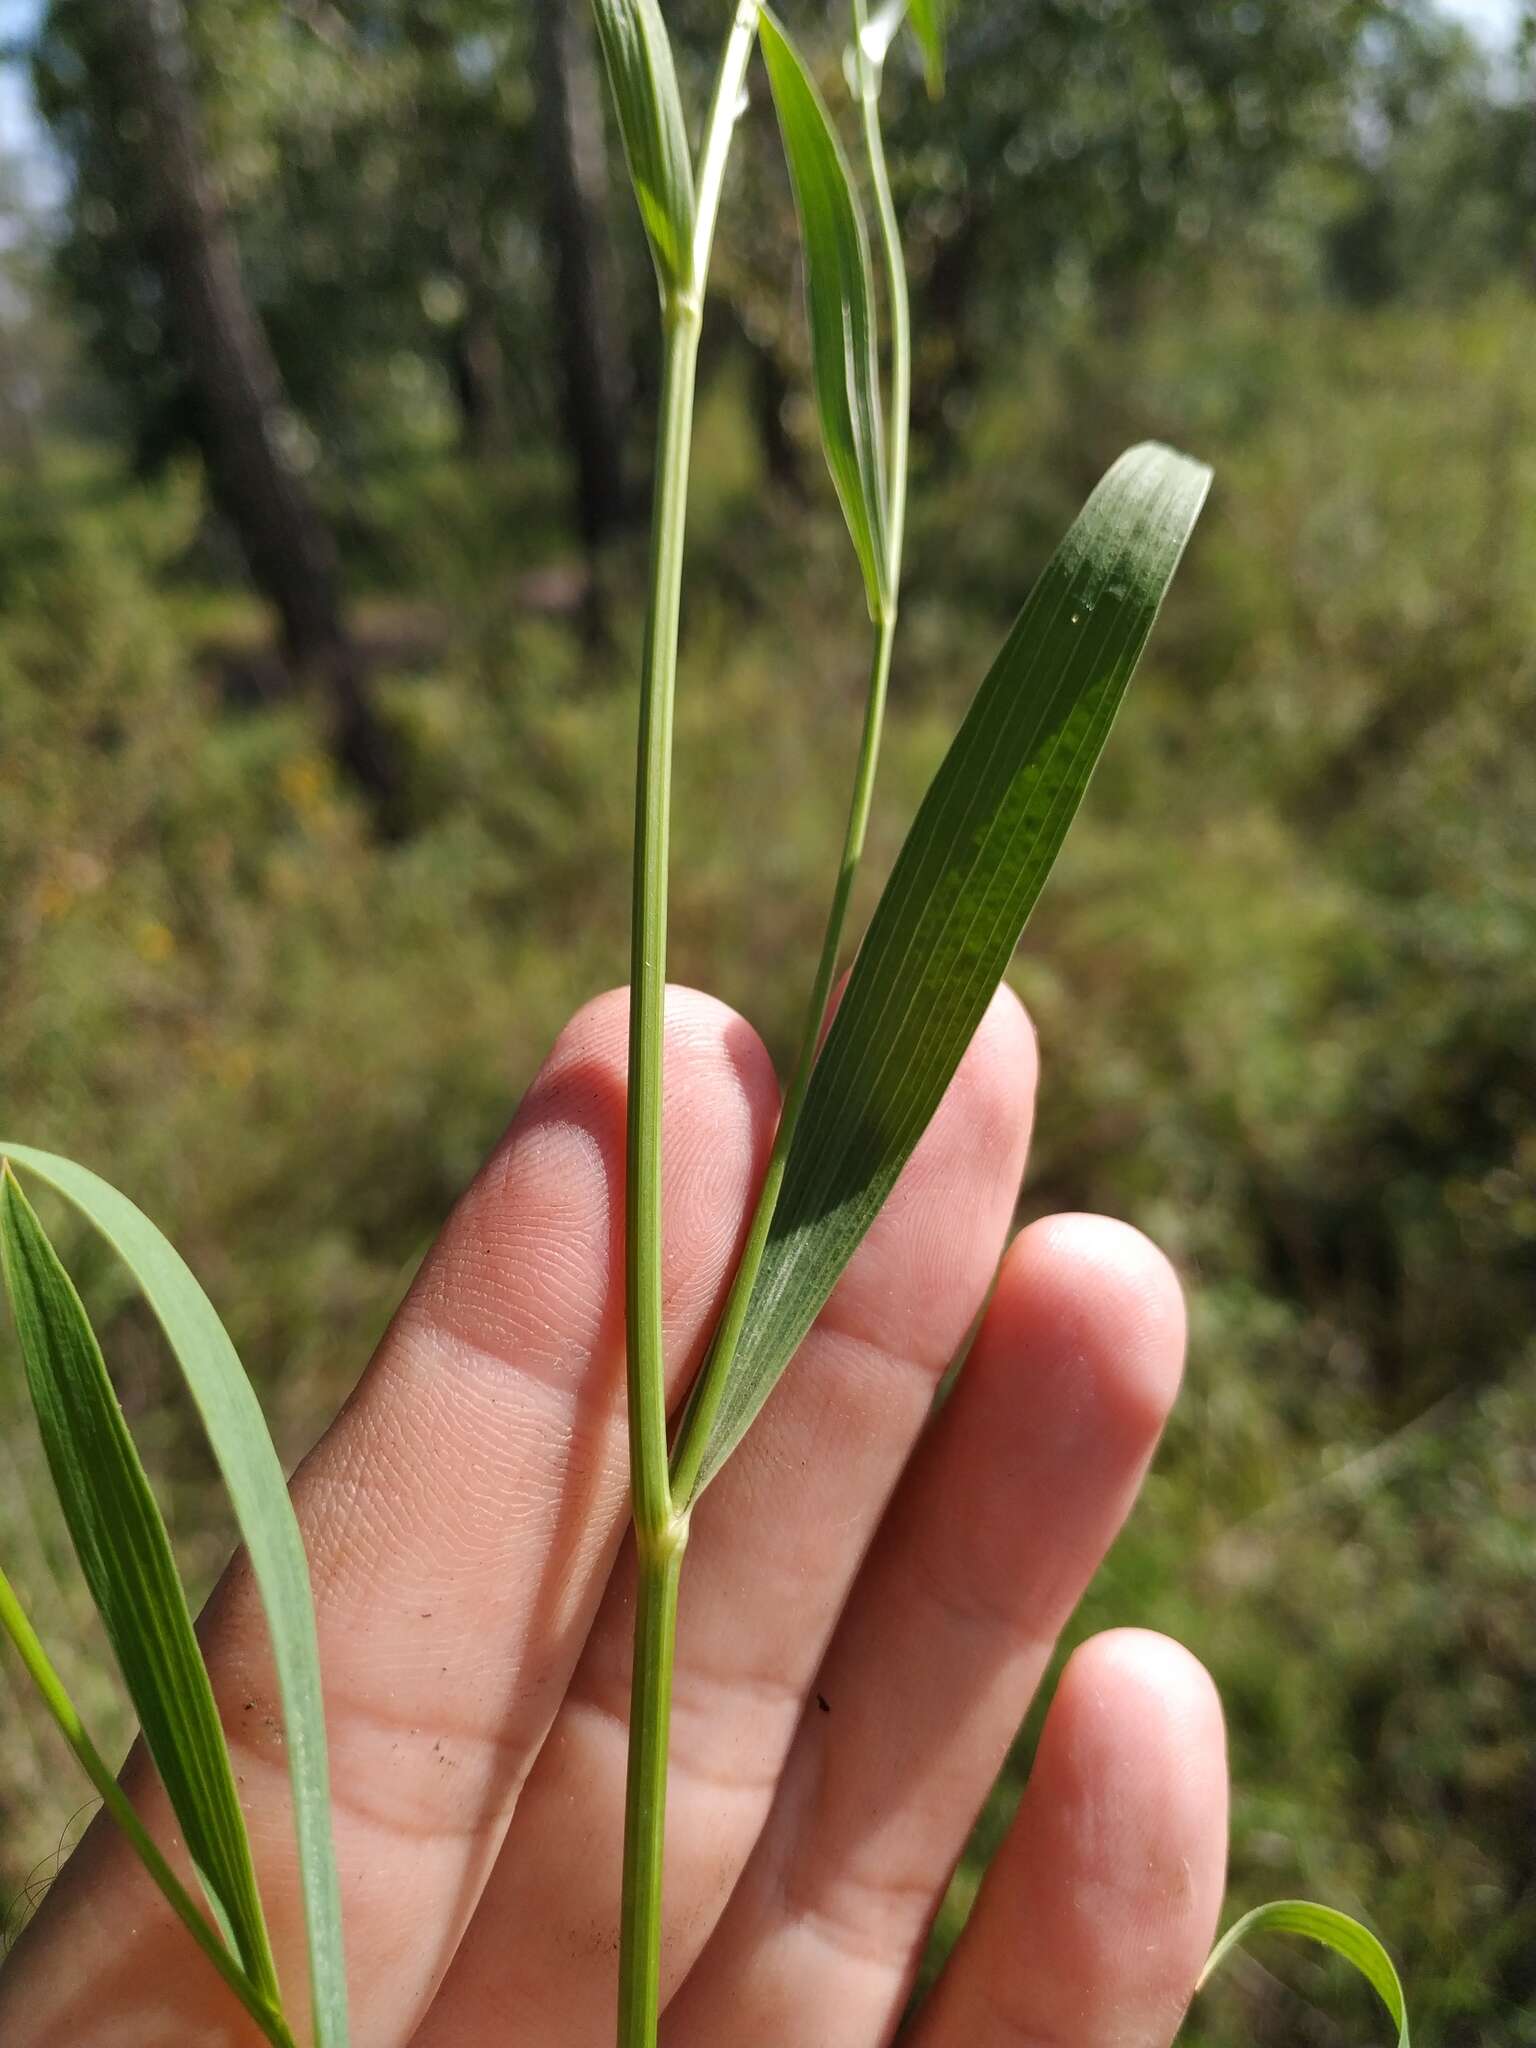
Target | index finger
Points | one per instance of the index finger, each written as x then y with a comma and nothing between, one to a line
461,1517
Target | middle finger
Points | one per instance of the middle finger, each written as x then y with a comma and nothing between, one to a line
774,1550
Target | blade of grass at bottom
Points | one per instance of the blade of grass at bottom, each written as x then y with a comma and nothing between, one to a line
1334,1930
125,1553
15,1625
974,863
243,1450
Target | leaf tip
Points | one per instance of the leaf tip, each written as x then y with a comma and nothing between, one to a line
1164,451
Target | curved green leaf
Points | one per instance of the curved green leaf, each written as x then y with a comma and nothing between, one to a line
1346,1937
928,23
125,1553
643,80
840,299
974,862
245,1455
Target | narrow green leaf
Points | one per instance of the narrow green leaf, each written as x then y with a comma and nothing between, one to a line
643,80
928,22
15,1625
1346,1937
974,862
245,1455
840,300
125,1554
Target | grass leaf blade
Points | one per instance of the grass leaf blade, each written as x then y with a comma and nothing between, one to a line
1335,1930
928,23
125,1554
973,865
642,77
243,1449
840,304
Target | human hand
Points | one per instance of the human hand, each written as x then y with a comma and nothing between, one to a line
867,1607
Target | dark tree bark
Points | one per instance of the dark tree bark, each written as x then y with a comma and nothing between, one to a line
18,435
237,389
478,382
478,366
770,396
583,275
948,303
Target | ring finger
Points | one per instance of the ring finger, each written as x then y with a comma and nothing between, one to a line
987,1548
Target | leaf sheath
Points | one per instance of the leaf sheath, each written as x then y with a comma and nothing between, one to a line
637,54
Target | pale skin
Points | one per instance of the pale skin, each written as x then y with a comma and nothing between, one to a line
868,1606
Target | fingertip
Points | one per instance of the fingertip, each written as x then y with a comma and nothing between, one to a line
1134,1676
1001,1067
1134,1756
914,1284
1096,1298
1008,1019
1100,1908
979,1135
697,1025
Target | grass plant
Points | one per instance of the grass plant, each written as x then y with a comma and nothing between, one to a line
862,1089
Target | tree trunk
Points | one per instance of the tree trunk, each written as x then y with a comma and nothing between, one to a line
477,364
239,395
948,302
478,383
769,398
582,272
18,434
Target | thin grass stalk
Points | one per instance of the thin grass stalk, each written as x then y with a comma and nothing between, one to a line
645,1802
660,1534
694,1436
648,946
653,1508
55,1696
659,1538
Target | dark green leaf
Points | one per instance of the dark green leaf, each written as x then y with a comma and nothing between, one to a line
966,880
243,1449
643,79
1346,1937
840,294
126,1556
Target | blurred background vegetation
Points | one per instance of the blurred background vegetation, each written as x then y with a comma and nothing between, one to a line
325,389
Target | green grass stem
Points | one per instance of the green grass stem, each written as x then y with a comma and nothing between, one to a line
648,947
645,1801
660,1533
